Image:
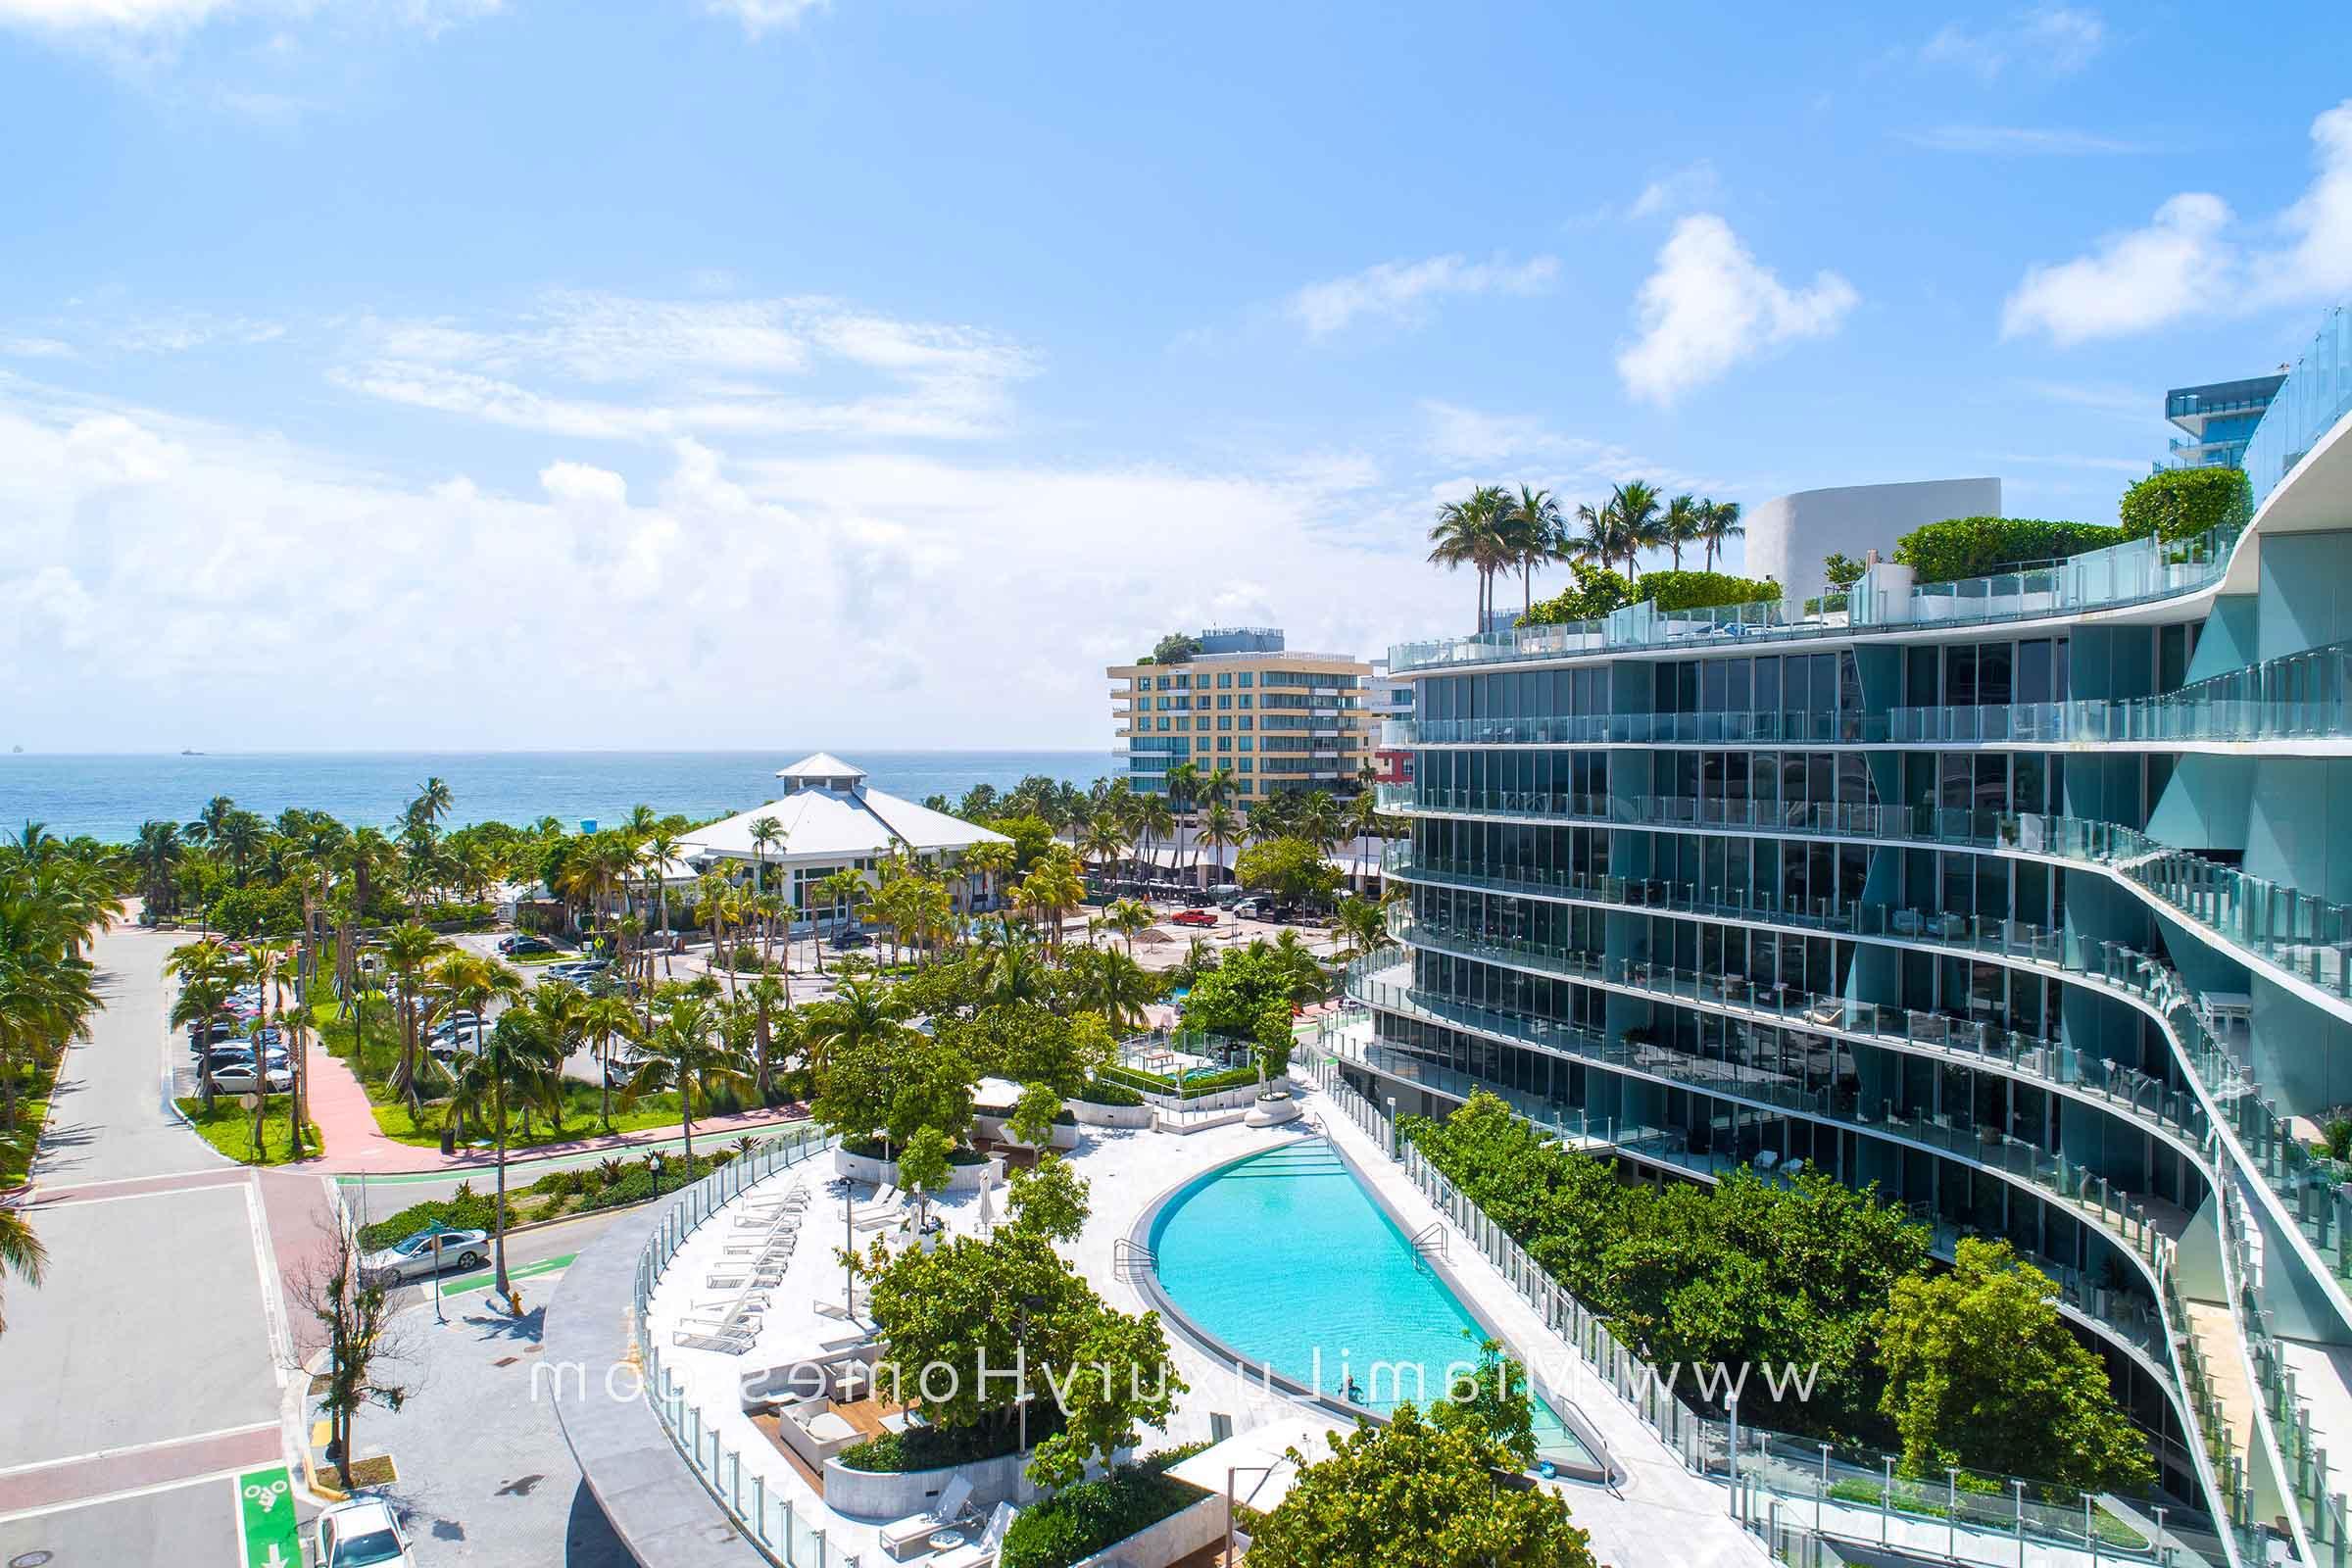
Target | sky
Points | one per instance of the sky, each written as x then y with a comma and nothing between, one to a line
489,373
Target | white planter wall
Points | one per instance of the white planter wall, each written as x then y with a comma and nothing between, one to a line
1172,1539
885,1172
1089,1115
866,1494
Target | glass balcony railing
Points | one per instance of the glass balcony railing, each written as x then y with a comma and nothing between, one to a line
2137,572
2296,934
2301,696
2147,1231
2317,394
2325,1515
2172,1113
2313,1196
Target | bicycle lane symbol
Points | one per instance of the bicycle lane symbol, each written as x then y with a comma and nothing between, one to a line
265,1524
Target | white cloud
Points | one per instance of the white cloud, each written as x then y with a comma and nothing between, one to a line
2057,39
2141,278
1402,292
2319,262
940,573
1711,304
760,15
2018,141
164,18
2194,256
716,366
1680,191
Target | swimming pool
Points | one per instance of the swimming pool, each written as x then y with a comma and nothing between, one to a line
1288,1261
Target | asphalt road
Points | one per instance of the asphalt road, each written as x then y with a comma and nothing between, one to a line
148,1369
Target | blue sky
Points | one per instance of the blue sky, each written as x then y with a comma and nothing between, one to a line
386,373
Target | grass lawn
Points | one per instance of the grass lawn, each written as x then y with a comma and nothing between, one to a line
228,1128
580,1120
32,1113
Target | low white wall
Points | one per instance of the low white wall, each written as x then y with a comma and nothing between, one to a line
881,1172
867,1495
1172,1539
1066,1136
1090,1114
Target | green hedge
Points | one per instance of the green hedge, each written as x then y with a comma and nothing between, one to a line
1100,1092
2183,502
1703,590
468,1212
1972,546
1081,1520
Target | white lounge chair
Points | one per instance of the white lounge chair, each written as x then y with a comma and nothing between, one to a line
981,1554
953,1508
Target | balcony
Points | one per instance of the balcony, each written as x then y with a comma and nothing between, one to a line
2302,941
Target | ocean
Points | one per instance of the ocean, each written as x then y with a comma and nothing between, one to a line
107,797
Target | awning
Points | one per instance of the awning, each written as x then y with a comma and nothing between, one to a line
1257,1461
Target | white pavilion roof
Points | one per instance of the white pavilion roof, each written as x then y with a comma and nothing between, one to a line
824,824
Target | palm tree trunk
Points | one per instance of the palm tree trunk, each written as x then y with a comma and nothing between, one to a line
498,1235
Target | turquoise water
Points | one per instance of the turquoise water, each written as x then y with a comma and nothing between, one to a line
1286,1259
108,797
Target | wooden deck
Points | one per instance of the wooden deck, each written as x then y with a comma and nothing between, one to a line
866,1416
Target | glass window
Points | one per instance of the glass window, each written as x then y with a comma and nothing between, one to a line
1768,685
1960,675
1224,679
1741,683
1992,673
1243,680
2034,671
1715,683
1797,672
1923,677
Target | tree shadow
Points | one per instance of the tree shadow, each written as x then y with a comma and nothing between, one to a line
589,1539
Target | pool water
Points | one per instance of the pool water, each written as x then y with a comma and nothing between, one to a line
1284,1259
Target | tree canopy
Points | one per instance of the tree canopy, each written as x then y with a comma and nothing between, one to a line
1415,1494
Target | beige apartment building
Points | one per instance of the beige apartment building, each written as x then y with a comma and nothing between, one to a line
1273,718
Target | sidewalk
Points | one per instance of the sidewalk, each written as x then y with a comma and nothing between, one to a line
357,1147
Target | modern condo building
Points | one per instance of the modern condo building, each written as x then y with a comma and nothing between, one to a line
2027,897
1244,703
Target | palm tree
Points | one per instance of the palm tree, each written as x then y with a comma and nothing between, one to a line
993,859
1220,826
21,1252
432,802
1184,790
1052,887
606,1018
842,891
660,847
1105,841
1362,925
1155,819
1363,820
1534,537
766,1003
410,950
1466,534
859,1015
1127,918
1112,983
469,982
1686,518
767,833
517,1065
1640,514
1719,526
689,1052
156,855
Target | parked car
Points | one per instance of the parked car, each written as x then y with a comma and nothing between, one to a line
361,1534
1251,909
201,1036
1193,917
524,946
238,1078
1196,899
1226,894
846,939
415,1257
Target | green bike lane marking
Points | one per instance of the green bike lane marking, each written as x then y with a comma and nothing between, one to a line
266,1528
485,1278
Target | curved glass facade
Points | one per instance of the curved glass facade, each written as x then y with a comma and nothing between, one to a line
2044,929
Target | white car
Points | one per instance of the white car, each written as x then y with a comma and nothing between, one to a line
415,1257
238,1078
360,1532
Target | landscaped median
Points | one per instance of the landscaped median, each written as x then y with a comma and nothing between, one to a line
609,1182
227,1126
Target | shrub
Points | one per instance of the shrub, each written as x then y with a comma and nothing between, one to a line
1703,590
1097,1092
1971,547
1597,592
2183,502
1079,1521
467,1210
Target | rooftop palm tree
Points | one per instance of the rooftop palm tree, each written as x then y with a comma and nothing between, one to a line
517,1064
1685,515
1467,534
1720,527
1534,535
1640,518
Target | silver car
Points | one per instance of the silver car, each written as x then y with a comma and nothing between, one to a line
416,1257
